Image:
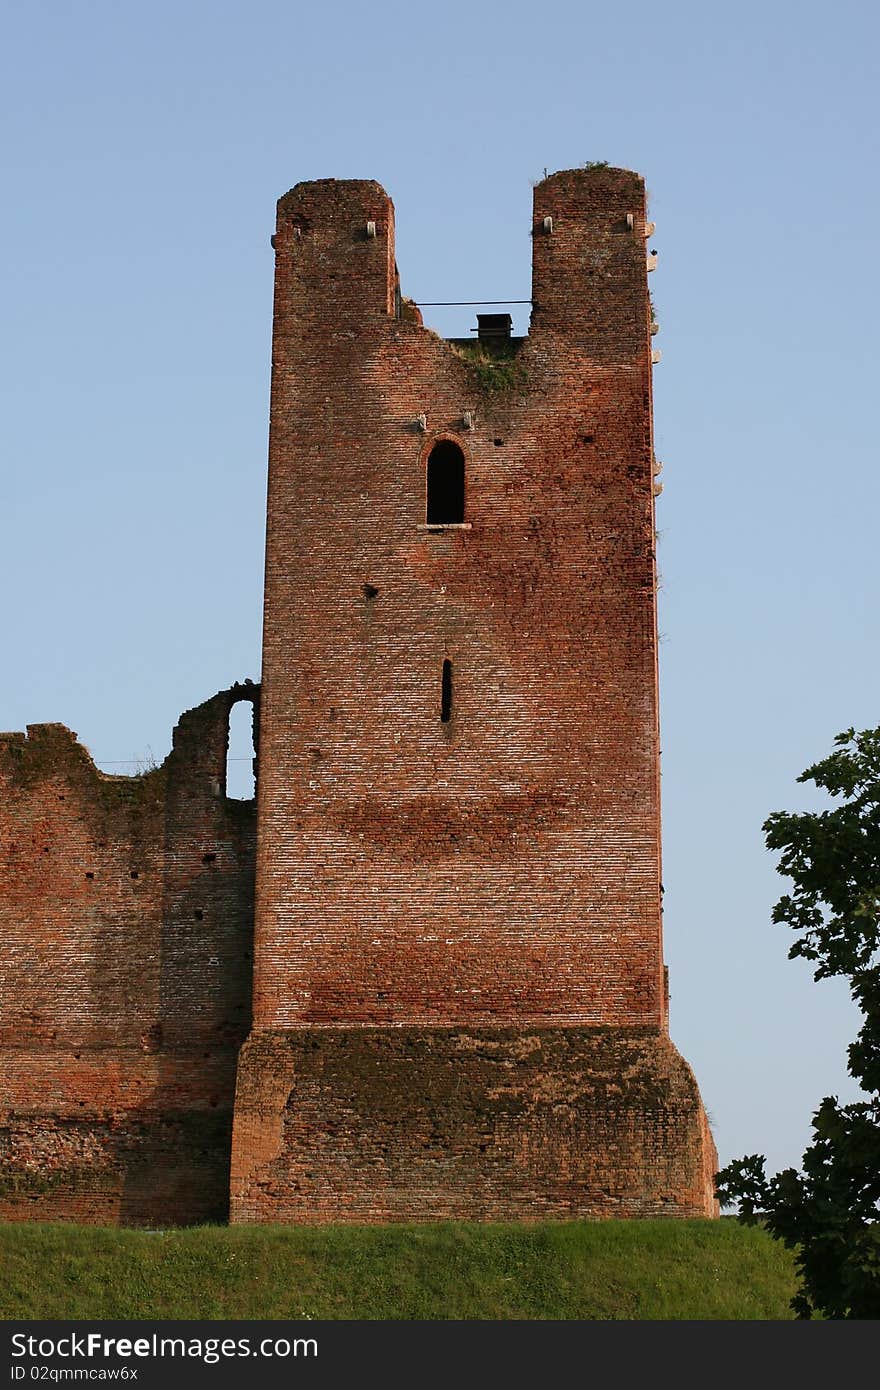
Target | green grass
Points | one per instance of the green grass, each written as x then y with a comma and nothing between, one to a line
592,1270
493,365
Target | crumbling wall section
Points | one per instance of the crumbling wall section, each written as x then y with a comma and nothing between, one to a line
125,982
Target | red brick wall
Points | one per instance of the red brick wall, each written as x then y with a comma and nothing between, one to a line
404,1124
459,998
504,866
125,981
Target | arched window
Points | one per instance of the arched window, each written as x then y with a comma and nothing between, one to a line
241,752
445,490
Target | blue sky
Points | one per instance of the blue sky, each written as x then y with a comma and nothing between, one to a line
145,149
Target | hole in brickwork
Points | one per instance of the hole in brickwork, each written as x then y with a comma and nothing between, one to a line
134,874
89,874
498,443
587,438
445,485
240,753
209,859
446,692
199,915
370,591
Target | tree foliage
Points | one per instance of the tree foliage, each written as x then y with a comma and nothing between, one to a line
829,1213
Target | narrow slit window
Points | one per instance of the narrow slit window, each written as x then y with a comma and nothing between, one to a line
445,485
446,692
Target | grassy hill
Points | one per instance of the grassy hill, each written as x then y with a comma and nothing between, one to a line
595,1270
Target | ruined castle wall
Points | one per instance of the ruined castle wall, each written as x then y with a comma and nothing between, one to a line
125,980
458,1001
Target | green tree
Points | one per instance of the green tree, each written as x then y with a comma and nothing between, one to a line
829,1213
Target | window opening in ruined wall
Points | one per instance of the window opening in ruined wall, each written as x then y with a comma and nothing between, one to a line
446,692
240,753
445,485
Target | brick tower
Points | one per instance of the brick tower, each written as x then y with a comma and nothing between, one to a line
459,1003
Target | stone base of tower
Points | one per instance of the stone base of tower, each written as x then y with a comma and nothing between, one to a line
430,1124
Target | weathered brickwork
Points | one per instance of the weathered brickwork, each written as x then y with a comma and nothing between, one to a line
498,868
504,865
456,1005
485,1124
125,976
